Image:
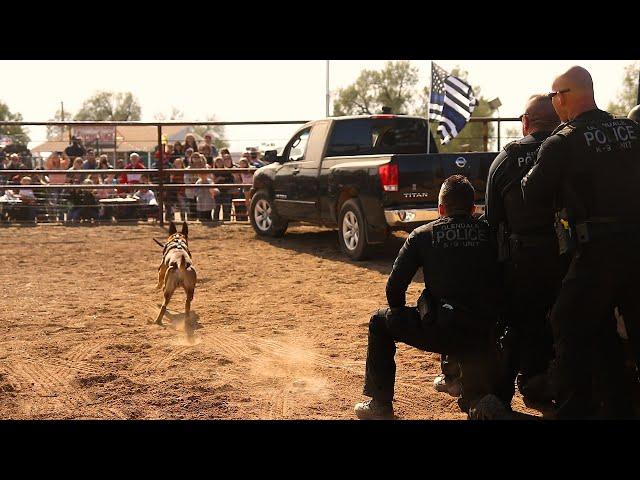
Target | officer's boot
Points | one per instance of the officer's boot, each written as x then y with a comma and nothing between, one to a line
448,384
449,380
536,388
374,410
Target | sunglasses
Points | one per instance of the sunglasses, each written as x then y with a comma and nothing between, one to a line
554,93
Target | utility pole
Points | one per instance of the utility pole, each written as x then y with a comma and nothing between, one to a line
328,95
62,115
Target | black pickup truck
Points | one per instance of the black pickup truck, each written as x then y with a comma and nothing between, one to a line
366,175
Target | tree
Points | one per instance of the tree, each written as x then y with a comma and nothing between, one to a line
628,97
105,106
176,114
471,137
219,139
393,86
18,133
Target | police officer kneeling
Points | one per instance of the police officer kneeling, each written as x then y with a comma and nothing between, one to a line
456,314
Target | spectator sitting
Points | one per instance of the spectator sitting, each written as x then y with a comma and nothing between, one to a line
103,164
27,160
175,198
223,195
105,212
247,178
149,205
190,142
190,193
187,156
90,163
236,177
16,163
134,163
177,152
75,149
54,162
27,210
208,140
205,150
254,157
204,198
75,178
119,164
84,203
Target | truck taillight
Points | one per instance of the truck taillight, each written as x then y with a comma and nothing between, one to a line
389,177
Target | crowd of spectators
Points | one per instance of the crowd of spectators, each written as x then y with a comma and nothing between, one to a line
205,204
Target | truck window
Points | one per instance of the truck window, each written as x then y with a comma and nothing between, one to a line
379,136
296,149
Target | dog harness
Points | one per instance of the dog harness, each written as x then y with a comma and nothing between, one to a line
178,243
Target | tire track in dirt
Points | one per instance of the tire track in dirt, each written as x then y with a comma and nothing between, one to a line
162,361
84,349
47,382
63,365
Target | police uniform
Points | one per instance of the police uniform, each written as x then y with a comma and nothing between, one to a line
533,269
590,167
457,310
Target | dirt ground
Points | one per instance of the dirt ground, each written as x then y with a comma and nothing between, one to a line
280,331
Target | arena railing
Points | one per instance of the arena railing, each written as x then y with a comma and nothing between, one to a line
162,186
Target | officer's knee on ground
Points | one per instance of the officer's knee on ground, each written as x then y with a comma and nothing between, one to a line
378,321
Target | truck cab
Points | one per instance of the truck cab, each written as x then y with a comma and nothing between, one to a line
385,167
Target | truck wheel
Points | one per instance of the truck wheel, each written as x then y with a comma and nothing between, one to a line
352,231
264,220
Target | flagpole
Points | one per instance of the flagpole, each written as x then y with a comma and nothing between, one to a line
429,107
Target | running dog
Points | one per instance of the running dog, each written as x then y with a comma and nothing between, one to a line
176,269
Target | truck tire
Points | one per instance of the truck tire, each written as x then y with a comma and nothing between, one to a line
264,220
352,231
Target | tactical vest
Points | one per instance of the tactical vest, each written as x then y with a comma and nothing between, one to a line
461,261
523,219
603,172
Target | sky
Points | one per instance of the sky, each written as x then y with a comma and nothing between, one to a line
244,90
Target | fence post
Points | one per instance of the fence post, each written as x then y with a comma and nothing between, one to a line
161,179
498,133
485,135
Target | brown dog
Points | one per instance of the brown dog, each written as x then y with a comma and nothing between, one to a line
176,269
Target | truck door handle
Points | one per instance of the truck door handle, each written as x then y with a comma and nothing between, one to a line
295,171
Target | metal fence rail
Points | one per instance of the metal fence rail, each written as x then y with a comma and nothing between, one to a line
160,174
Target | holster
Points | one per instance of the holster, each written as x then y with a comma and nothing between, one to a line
564,232
425,307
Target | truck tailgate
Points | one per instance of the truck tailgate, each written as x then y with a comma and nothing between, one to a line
421,175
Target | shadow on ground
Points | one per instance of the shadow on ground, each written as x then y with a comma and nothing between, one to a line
324,244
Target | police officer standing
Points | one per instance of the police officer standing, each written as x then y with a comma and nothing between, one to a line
634,114
590,166
527,245
456,314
